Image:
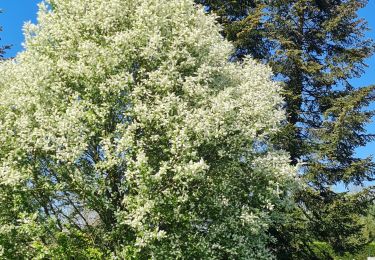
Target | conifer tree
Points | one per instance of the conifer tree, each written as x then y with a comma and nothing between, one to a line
126,133
315,47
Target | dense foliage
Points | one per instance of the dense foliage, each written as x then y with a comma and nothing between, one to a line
315,47
325,251
125,131
369,223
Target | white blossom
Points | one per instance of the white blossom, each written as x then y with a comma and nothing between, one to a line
131,110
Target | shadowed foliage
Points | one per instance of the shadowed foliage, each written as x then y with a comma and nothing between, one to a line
315,47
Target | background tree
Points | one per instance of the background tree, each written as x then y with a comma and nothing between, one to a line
369,223
126,132
315,48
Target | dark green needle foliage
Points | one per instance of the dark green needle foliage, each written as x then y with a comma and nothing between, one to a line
315,47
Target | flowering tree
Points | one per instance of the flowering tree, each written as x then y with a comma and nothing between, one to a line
127,133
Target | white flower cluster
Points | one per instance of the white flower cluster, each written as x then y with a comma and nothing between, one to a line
131,110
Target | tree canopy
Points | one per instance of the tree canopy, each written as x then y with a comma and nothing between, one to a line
315,48
125,131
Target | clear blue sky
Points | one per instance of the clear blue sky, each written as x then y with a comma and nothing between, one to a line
20,11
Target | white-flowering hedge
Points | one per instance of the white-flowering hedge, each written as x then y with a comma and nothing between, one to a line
126,133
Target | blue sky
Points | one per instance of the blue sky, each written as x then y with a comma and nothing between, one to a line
16,13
